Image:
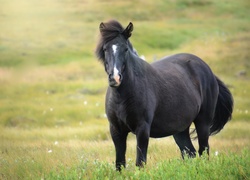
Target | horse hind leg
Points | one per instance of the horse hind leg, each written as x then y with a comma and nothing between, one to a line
183,140
202,130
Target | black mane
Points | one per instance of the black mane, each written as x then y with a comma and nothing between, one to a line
109,31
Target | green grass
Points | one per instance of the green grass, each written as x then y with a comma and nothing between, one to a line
48,153
52,120
199,168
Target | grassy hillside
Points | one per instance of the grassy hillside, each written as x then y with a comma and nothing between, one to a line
52,87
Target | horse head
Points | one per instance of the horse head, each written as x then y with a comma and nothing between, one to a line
113,50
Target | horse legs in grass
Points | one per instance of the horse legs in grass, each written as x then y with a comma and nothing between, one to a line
183,140
142,137
202,130
119,140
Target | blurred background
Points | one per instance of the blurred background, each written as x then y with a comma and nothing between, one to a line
52,87
48,71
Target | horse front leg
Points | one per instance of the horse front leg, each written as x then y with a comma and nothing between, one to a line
142,137
119,139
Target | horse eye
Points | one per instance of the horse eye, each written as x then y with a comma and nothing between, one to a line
126,49
104,49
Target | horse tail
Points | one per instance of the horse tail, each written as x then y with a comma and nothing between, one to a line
224,108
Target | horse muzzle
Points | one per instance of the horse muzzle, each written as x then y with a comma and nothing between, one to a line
115,80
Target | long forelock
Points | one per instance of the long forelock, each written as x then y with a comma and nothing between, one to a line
111,30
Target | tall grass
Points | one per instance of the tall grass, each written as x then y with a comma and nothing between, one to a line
78,166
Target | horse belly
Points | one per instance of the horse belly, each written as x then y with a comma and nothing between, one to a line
166,124
158,131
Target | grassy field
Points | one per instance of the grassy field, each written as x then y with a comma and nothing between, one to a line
52,119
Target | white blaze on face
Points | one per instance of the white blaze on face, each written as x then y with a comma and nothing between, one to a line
114,47
116,75
116,71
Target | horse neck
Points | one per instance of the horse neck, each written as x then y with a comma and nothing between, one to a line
135,75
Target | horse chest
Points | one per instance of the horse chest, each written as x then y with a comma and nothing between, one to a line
126,116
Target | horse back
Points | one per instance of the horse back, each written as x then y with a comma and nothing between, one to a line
188,68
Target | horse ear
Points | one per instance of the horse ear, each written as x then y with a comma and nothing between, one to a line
128,31
101,27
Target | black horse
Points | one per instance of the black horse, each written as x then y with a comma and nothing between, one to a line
159,99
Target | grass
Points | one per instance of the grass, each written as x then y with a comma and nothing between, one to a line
48,154
173,169
52,121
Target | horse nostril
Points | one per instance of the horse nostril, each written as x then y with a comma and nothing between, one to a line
110,76
120,75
